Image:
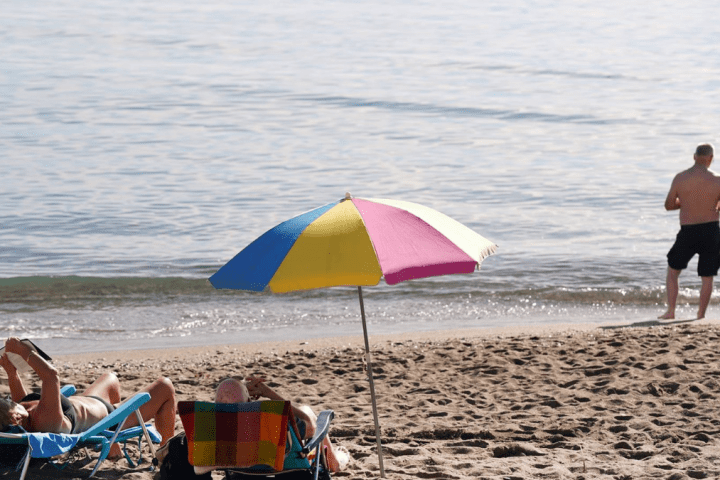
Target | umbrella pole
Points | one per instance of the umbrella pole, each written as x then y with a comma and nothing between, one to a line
372,384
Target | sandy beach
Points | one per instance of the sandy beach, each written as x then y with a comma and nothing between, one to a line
555,402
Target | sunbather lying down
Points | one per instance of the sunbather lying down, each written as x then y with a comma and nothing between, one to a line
232,390
50,411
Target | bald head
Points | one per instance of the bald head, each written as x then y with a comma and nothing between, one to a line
231,390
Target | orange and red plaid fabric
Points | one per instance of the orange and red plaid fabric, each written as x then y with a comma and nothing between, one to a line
236,434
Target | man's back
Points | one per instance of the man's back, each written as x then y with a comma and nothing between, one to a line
698,191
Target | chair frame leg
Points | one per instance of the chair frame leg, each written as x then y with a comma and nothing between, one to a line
26,464
104,454
149,441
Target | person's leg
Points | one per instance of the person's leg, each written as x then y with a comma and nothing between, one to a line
708,266
107,387
672,293
161,407
705,293
337,458
306,414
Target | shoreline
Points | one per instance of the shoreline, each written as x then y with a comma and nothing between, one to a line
356,340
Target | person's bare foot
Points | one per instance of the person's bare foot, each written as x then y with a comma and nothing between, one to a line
667,316
337,458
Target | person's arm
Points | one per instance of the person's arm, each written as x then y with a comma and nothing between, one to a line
257,388
48,416
18,391
672,202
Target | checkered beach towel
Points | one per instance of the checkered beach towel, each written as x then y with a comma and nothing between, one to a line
236,434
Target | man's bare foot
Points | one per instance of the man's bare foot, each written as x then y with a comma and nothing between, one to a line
667,316
700,316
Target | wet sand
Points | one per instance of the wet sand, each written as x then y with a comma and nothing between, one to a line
561,402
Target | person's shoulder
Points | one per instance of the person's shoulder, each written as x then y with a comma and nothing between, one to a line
679,177
688,171
713,178
710,174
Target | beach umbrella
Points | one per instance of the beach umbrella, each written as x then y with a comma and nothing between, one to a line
356,242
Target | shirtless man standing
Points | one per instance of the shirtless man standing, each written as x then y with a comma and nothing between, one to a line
696,193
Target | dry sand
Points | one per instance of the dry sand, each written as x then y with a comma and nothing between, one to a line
558,402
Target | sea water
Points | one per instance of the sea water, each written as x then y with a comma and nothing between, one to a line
144,144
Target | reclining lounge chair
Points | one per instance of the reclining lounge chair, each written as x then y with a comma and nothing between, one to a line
17,447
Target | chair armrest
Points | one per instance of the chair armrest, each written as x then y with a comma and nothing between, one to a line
321,431
68,390
15,438
119,415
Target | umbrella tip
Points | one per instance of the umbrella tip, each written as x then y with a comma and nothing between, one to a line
348,196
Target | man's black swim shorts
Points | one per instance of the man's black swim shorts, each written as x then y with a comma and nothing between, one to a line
701,238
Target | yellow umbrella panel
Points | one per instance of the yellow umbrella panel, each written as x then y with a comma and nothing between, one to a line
333,250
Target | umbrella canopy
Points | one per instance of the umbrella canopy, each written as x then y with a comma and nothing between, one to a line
355,242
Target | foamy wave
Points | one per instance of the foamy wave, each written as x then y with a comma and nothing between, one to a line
74,293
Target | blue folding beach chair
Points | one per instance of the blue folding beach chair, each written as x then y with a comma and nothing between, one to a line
125,435
18,447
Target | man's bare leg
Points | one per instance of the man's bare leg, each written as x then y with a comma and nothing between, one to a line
705,293
672,293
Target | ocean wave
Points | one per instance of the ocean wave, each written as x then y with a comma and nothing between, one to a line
457,111
82,292
52,290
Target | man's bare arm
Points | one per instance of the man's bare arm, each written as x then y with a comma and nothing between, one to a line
672,202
